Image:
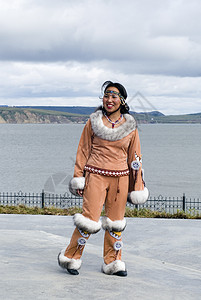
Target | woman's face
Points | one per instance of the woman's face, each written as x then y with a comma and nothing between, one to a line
111,101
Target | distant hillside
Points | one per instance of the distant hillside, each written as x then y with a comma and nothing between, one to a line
18,115
80,114
81,110
86,110
186,119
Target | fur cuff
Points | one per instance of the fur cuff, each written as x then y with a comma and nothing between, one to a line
86,224
114,267
68,263
110,225
138,197
76,183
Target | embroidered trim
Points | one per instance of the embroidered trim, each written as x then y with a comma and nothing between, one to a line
85,234
115,234
123,102
104,172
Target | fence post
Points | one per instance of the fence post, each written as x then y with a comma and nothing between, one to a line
43,199
184,202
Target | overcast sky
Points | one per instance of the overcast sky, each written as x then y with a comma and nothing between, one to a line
59,52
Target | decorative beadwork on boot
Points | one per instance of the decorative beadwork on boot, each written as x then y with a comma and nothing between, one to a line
68,263
81,242
85,224
110,225
114,267
118,245
115,234
85,234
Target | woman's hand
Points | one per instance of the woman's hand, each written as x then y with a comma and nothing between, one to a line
80,192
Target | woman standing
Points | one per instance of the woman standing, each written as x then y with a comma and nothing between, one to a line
107,172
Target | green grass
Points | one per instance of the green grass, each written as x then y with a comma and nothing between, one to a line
24,210
146,213
130,212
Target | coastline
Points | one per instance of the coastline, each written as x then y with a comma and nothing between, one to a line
20,115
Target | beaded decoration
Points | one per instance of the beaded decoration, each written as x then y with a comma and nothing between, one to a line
114,123
116,93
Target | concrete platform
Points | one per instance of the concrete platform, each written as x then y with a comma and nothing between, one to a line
163,259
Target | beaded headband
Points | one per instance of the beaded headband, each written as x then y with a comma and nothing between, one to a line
116,93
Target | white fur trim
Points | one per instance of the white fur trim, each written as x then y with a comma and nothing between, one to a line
68,263
110,225
110,134
114,267
76,183
138,197
86,224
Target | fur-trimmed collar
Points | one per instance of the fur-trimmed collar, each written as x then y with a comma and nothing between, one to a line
111,134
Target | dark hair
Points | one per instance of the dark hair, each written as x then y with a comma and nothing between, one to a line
124,109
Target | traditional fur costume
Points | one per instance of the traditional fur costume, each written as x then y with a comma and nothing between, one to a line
108,169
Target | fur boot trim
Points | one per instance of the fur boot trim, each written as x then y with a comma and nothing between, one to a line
114,267
75,184
110,225
68,263
110,134
138,197
86,224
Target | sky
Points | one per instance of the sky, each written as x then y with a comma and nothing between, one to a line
60,52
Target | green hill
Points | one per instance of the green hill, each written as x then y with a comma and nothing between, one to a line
16,115
186,119
61,115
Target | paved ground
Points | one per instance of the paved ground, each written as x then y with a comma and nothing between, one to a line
163,259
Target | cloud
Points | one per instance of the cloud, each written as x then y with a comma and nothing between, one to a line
74,83
57,49
144,36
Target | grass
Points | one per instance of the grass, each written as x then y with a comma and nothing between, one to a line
24,210
130,212
147,213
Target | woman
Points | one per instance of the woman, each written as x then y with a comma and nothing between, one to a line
107,172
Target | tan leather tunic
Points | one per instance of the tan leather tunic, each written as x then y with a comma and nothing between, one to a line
109,151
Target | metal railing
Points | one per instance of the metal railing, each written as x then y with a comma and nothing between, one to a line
172,204
66,200
40,199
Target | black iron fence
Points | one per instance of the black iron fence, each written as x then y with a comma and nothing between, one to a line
172,204
66,200
40,199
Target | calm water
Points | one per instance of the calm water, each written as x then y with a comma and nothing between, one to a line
36,157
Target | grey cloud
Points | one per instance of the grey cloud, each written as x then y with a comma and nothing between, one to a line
137,37
51,50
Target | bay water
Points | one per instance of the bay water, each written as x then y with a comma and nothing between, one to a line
34,157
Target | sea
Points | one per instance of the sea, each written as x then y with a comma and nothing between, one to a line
36,157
